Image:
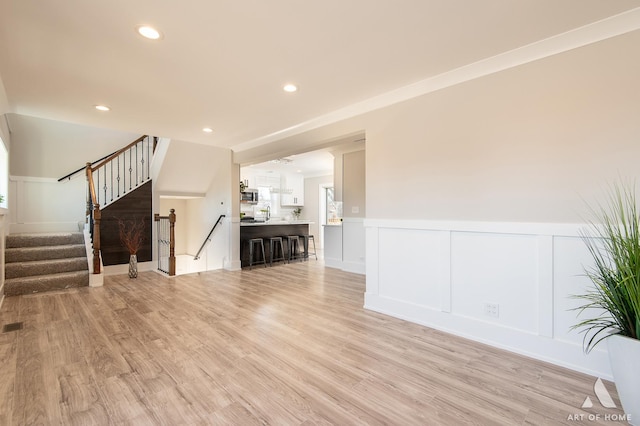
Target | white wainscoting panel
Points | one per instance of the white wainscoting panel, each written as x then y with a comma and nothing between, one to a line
570,254
497,269
441,274
46,205
415,251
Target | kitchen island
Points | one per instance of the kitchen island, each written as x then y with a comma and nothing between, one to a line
266,230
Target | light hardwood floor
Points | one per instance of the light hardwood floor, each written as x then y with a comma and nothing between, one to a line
288,345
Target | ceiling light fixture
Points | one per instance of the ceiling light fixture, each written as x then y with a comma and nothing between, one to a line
102,107
290,88
282,161
148,32
207,130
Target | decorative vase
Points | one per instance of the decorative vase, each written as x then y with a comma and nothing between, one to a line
624,353
133,266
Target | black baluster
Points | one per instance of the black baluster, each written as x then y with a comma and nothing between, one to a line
111,163
130,169
137,165
98,188
124,174
148,157
142,161
118,177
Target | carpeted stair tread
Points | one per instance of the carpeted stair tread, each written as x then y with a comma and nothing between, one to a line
44,267
51,239
41,262
40,283
28,254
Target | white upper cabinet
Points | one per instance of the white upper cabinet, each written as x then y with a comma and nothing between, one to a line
292,190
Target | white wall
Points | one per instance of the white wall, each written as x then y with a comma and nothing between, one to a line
48,148
182,224
504,161
4,101
4,176
311,210
515,154
526,144
205,212
203,173
43,151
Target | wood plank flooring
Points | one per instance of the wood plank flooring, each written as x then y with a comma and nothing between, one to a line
288,345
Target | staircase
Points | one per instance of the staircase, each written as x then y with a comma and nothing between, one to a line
42,262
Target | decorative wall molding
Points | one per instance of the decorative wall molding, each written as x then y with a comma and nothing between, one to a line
445,274
525,228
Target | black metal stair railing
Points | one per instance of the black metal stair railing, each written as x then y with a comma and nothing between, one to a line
166,243
206,240
123,171
107,181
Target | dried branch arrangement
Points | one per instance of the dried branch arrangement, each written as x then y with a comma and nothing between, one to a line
132,234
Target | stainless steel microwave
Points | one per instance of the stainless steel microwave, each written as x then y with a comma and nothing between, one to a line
249,196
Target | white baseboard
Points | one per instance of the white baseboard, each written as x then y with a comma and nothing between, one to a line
235,265
124,269
354,267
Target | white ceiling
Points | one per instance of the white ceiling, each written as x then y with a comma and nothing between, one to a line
222,64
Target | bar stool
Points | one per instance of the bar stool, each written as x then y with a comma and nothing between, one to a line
306,240
293,246
274,244
259,244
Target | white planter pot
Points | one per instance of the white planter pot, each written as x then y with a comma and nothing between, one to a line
624,354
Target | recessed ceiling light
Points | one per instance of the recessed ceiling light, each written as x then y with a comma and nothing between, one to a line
290,88
207,130
148,32
102,108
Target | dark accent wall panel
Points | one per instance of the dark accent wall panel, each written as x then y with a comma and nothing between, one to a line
133,206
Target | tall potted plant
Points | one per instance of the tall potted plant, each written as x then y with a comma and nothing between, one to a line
613,240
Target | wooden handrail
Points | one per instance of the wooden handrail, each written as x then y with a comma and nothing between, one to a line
118,152
92,186
93,210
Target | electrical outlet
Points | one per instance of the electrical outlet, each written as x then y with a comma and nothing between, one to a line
492,310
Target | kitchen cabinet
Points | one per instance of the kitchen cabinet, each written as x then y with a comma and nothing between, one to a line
262,180
271,181
292,190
